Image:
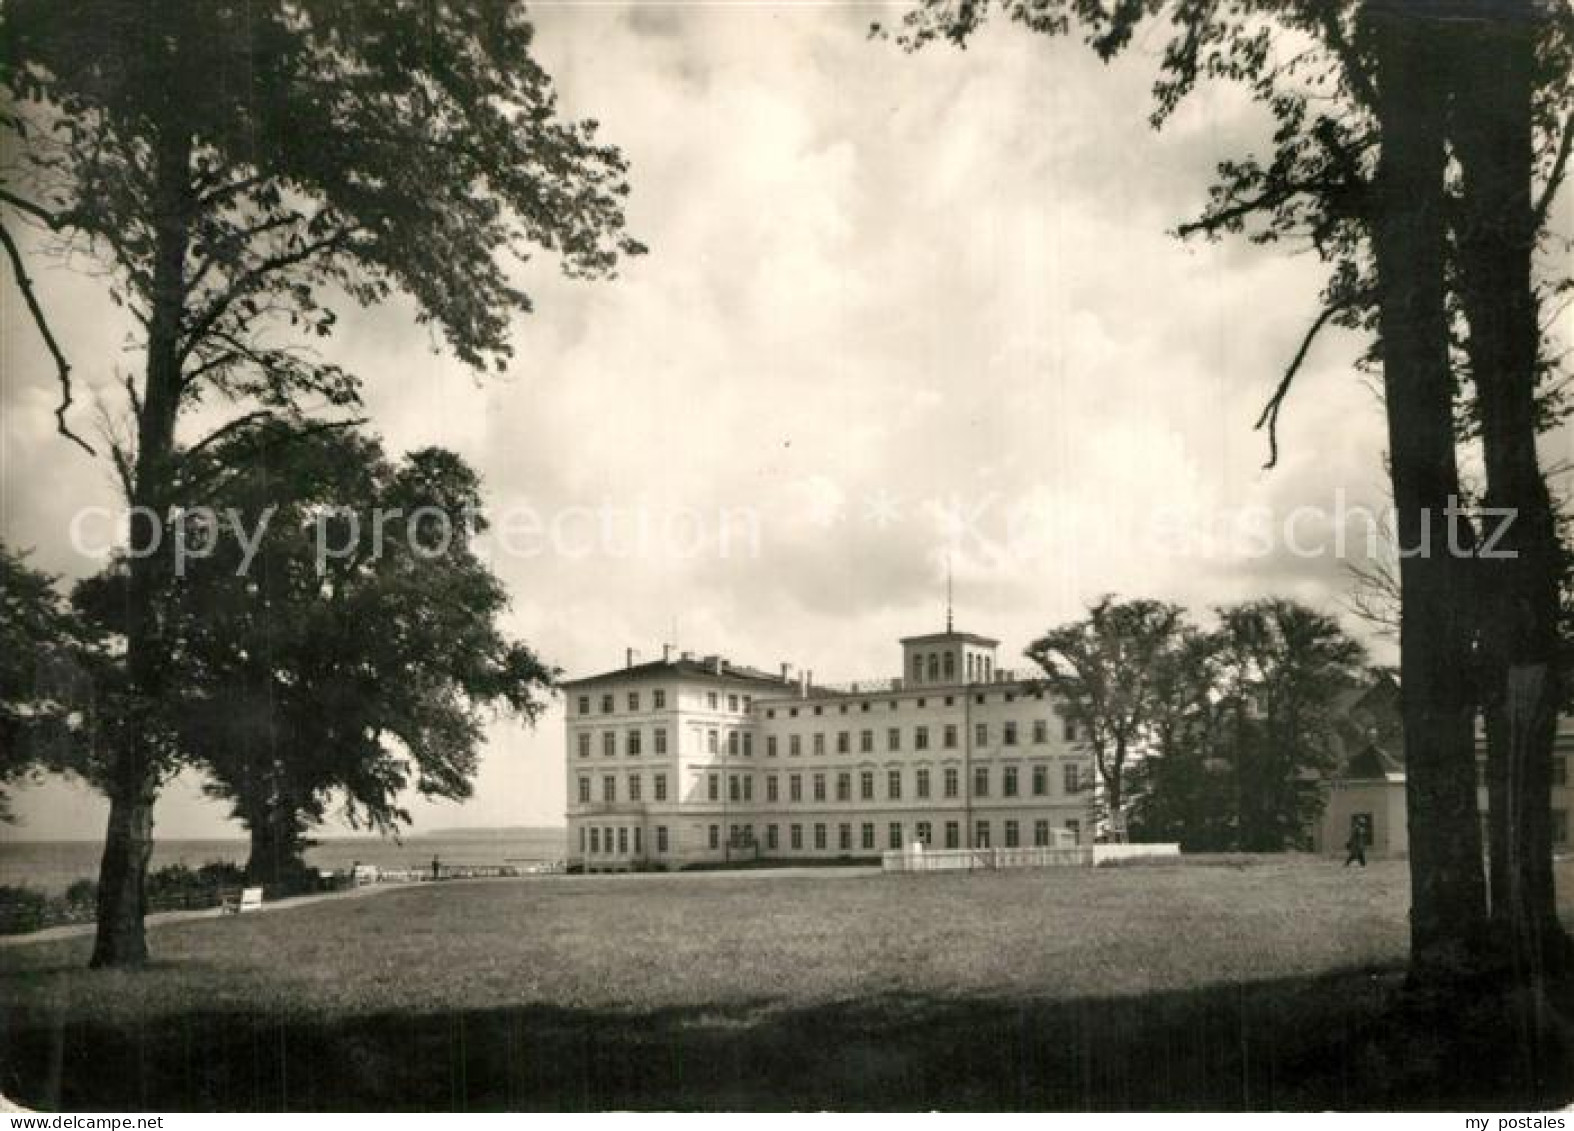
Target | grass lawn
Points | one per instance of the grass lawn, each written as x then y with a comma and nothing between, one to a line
1274,985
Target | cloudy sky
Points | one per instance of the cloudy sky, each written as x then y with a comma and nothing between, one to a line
897,309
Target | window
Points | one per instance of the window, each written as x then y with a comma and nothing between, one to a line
732,743
981,835
921,783
715,837
1074,827
606,704
748,744
713,786
1008,734
819,838
609,789
584,744
636,788
633,700
950,666
1072,777
819,787
1013,835
796,836
981,781
819,743
934,667
732,702
661,834
844,838
953,835
658,700
1040,731
1008,782
1069,731
711,700
584,704
949,737
772,788
609,743
921,738
595,840
794,787
1560,771
734,789
748,702
952,784
659,738
844,742
712,741
748,787
866,836
980,734
770,837
639,840
866,741
1040,780
795,745
844,787
893,784
918,668
1040,834
1560,826
894,834
770,746
633,744
584,791
659,787
893,738
866,785
923,833
623,841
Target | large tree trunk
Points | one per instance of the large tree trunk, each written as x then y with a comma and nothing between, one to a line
1492,134
1448,890
140,749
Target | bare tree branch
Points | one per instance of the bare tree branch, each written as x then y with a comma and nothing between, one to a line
1555,177
1270,412
62,366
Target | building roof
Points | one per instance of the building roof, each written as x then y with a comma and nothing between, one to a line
1372,763
711,667
950,637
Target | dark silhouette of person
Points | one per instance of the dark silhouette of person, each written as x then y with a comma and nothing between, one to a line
437,867
1355,847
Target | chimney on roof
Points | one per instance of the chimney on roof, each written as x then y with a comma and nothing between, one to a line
628,657
803,685
685,655
716,664
666,653
786,671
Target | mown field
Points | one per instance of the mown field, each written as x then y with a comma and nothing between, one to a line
1270,984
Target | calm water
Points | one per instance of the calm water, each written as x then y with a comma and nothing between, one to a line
53,864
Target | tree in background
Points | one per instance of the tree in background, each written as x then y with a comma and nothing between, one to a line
1101,671
49,658
348,653
239,172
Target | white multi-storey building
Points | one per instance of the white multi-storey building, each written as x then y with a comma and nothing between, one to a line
701,761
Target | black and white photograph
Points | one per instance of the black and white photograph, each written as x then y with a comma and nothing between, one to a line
633,556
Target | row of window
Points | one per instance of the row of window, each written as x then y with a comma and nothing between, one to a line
740,787
742,836
866,705
936,666
601,840
658,702
741,742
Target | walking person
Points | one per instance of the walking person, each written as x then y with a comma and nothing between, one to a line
437,867
1355,847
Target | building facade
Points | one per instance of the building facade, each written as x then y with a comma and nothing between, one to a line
690,760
